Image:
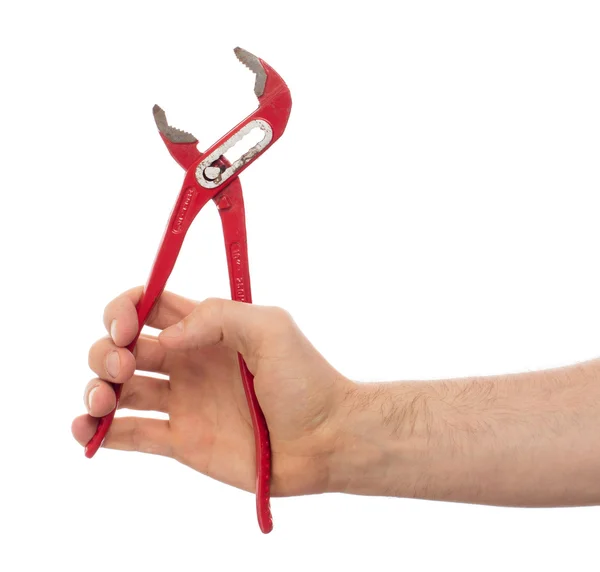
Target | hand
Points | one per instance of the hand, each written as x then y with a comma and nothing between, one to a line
209,427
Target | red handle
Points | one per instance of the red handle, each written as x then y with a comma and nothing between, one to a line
263,451
233,220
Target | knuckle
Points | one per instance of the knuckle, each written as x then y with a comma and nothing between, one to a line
123,302
278,325
279,318
211,305
136,434
133,294
210,309
209,319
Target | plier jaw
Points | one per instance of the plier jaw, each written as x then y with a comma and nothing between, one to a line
210,175
271,116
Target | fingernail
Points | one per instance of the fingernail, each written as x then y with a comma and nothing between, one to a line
113,364
173,331
113,329
91,397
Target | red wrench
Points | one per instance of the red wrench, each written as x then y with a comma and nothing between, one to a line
208,176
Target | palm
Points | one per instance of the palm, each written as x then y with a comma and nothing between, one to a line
209,417
210,420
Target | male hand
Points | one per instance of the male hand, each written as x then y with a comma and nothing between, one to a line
209,427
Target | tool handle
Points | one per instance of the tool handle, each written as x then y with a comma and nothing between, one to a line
263,451
231,209
161,270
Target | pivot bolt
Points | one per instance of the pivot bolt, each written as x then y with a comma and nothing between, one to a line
212,173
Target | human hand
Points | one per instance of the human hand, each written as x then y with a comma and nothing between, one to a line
209,426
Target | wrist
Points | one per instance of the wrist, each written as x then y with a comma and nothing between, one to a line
384,435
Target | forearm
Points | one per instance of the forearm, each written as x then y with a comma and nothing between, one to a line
528,439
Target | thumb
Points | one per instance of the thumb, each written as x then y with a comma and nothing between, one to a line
239,326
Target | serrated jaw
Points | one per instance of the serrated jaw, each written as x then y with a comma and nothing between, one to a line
254,65
171,133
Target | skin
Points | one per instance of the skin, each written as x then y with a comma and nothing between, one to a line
520,440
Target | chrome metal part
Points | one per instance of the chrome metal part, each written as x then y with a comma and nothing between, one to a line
212,173
201,177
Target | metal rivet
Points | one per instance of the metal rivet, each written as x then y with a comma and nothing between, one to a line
212,173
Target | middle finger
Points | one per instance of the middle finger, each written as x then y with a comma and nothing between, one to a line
116,364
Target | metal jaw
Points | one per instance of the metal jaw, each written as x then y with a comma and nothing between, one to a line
271,117
254,65
173,134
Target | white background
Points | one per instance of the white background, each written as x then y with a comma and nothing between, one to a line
431,211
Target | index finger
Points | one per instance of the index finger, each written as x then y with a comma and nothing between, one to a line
120,315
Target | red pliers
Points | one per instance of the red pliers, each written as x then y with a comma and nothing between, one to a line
208,176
